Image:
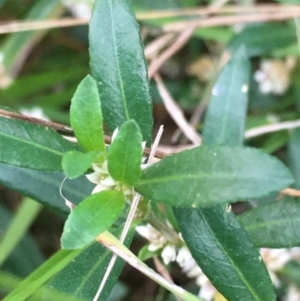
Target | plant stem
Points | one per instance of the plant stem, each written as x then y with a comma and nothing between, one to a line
113,244
160,225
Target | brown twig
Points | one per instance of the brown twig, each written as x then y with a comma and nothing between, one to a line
231,20
68,130
176,113
63,128
18,26
161,269
182,39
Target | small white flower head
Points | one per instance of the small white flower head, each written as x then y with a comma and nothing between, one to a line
273,76
207,290
183,257
156,239
104,181
168,254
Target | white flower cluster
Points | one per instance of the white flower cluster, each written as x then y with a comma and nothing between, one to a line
275,260
104,180
183,257
273,76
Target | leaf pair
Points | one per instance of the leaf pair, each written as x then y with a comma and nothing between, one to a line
125,152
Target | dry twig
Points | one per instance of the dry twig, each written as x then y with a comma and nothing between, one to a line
266,129
176,113
182,39
231,20
18,26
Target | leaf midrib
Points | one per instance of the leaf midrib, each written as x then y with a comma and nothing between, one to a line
118,63
197,176
229,258
267,224
51,150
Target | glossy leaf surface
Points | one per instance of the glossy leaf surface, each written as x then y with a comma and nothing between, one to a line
81,277
91,217
125,154
86,116
118,65
264,38
226,113
44,186
30,145
218,130
275,225
208,233
293,156
210,175
76,163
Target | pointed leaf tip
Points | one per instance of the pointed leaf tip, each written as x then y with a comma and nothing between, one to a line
86,116
210,175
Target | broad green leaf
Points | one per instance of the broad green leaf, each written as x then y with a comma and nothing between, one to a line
76,163
240,280
125,154
225,118
275,225
118,65
86,116
91,217
217,129
210,175
293,156
82,276
29,145
44,186
264,38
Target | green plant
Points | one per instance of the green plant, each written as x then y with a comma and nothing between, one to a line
195,186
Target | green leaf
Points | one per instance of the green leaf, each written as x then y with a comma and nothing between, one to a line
82,276
210,175
293,156
118,65
225,260
30,145
91,217
44,186
75,163
86,116
125,154
275,225
217,129
264,38
225,118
